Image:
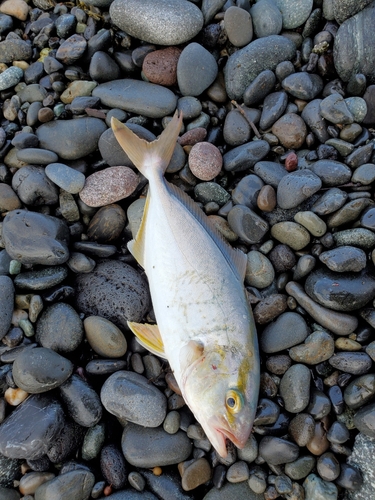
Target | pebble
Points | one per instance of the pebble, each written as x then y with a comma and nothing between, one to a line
356,363
31,428
291,233
70,333
71,49
360,463
74,484
294,13
93,441
239,26
34,238
40,369
344,259
205,161
158,22
341,292
296,187
113,466
41,279
259,270
245,65
10,77
167,449
247,190
274,106
306,86
360,237
262,84
245,156
143,98
267,18
334,109
129,396
295,388
294,328
314,224
196,70
365,174
318,489
78,138
331,172
247,224
317,348
14,50
197,473
360,391
277,451
107,224
104,337
270,172
6,304
82,401
300,468
31,480
114,291
160,66
266,200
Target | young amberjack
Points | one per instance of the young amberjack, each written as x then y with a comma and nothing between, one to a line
205,328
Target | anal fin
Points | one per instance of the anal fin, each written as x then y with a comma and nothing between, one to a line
149,337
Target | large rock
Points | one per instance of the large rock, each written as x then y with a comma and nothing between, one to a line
343,9
158,21
245,65
354,47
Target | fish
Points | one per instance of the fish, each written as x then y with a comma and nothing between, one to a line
204,324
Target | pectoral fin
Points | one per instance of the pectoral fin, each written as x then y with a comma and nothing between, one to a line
190,353
149,337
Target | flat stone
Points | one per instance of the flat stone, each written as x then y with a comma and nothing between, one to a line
10,77
291,233
245,156
270,172
247,224
41,279
294,13
303,85
76,484
239,27
158,22
29,431
40,370
296,187
334,109
267,18
77,138
314,224
330,201
344,259
160,66
33,186
261,86
6,304
137,97
245,65
65,177
355,363
295,388
34,238
276,451
259,270
331,172
233,491
147,447
318,347
274,106
37,156
294,331
14,50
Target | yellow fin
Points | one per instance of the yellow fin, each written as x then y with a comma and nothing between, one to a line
149,337
137,246
148,156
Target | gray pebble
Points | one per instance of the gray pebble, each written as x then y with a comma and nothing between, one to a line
344,259
247,224
297,187
80,263
360,391
294,13
267,18
41,279
245,65
318,489
295,388
82,401
334,109
245,156
40,369
303,85
312,117
276,451
166,449
33,186
239,26
129,396
196,70
75,485
76,138
190,106
330,201
36,156
10,77
294,331
356,363
158,21
274,106
93,441
331,172
206,192
6,304
65,177
360,237
14,50
233,491
247,190
270,172
68,336
365,174
301,467
260,87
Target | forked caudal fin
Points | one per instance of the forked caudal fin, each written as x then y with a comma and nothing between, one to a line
148,156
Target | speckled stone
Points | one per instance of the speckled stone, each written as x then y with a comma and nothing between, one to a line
318,347
344,259
160,66
71,49
10,77
292,234
14,50
205,161
67,485
318,489
104,337
65,177
108,186
294,13
295,388
159,21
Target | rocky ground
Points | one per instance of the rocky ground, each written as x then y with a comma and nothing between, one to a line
277,147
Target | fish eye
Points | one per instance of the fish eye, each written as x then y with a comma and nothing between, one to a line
233,401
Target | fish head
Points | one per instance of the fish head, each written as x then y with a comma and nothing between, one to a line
221,386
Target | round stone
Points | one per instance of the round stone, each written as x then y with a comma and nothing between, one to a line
238,26
267,18
292,234
65,177
291,130
314,224
196,70
294,331
160,66
277,451
104,337
197,473
295,388
205,161
259,270
297,187
107,224
294,13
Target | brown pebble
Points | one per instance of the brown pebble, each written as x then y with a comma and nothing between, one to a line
199,472
160,66
205,161
172,383
15,396
291,130
269,308
319,443
45,115
15,8
268,387
302,428
108,186
278,364
30,482
157,471
223,227
193,136
266,200
8,199
108,490
107,224
291,162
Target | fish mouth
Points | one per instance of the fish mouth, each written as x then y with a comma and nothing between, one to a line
219,434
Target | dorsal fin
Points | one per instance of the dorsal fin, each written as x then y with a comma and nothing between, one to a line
235,258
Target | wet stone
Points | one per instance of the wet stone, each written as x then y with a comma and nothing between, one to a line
129,396
33,186
270,172
67,485
318,489
247,224
113,467
360,237
66,443
295,388
166,448
318,347
300,468
313,119
344,259
40,370
273,107
31,428
276,451
260,87
331,172
247,190
360,391
319,406
245,156
69,334
303,85
6,304
82,401
301,428
356,363
341,292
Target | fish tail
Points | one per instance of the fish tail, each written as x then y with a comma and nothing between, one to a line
148,156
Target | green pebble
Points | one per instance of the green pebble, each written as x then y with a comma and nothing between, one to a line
27,327
14,267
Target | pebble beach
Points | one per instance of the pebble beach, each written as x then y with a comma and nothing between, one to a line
277,148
